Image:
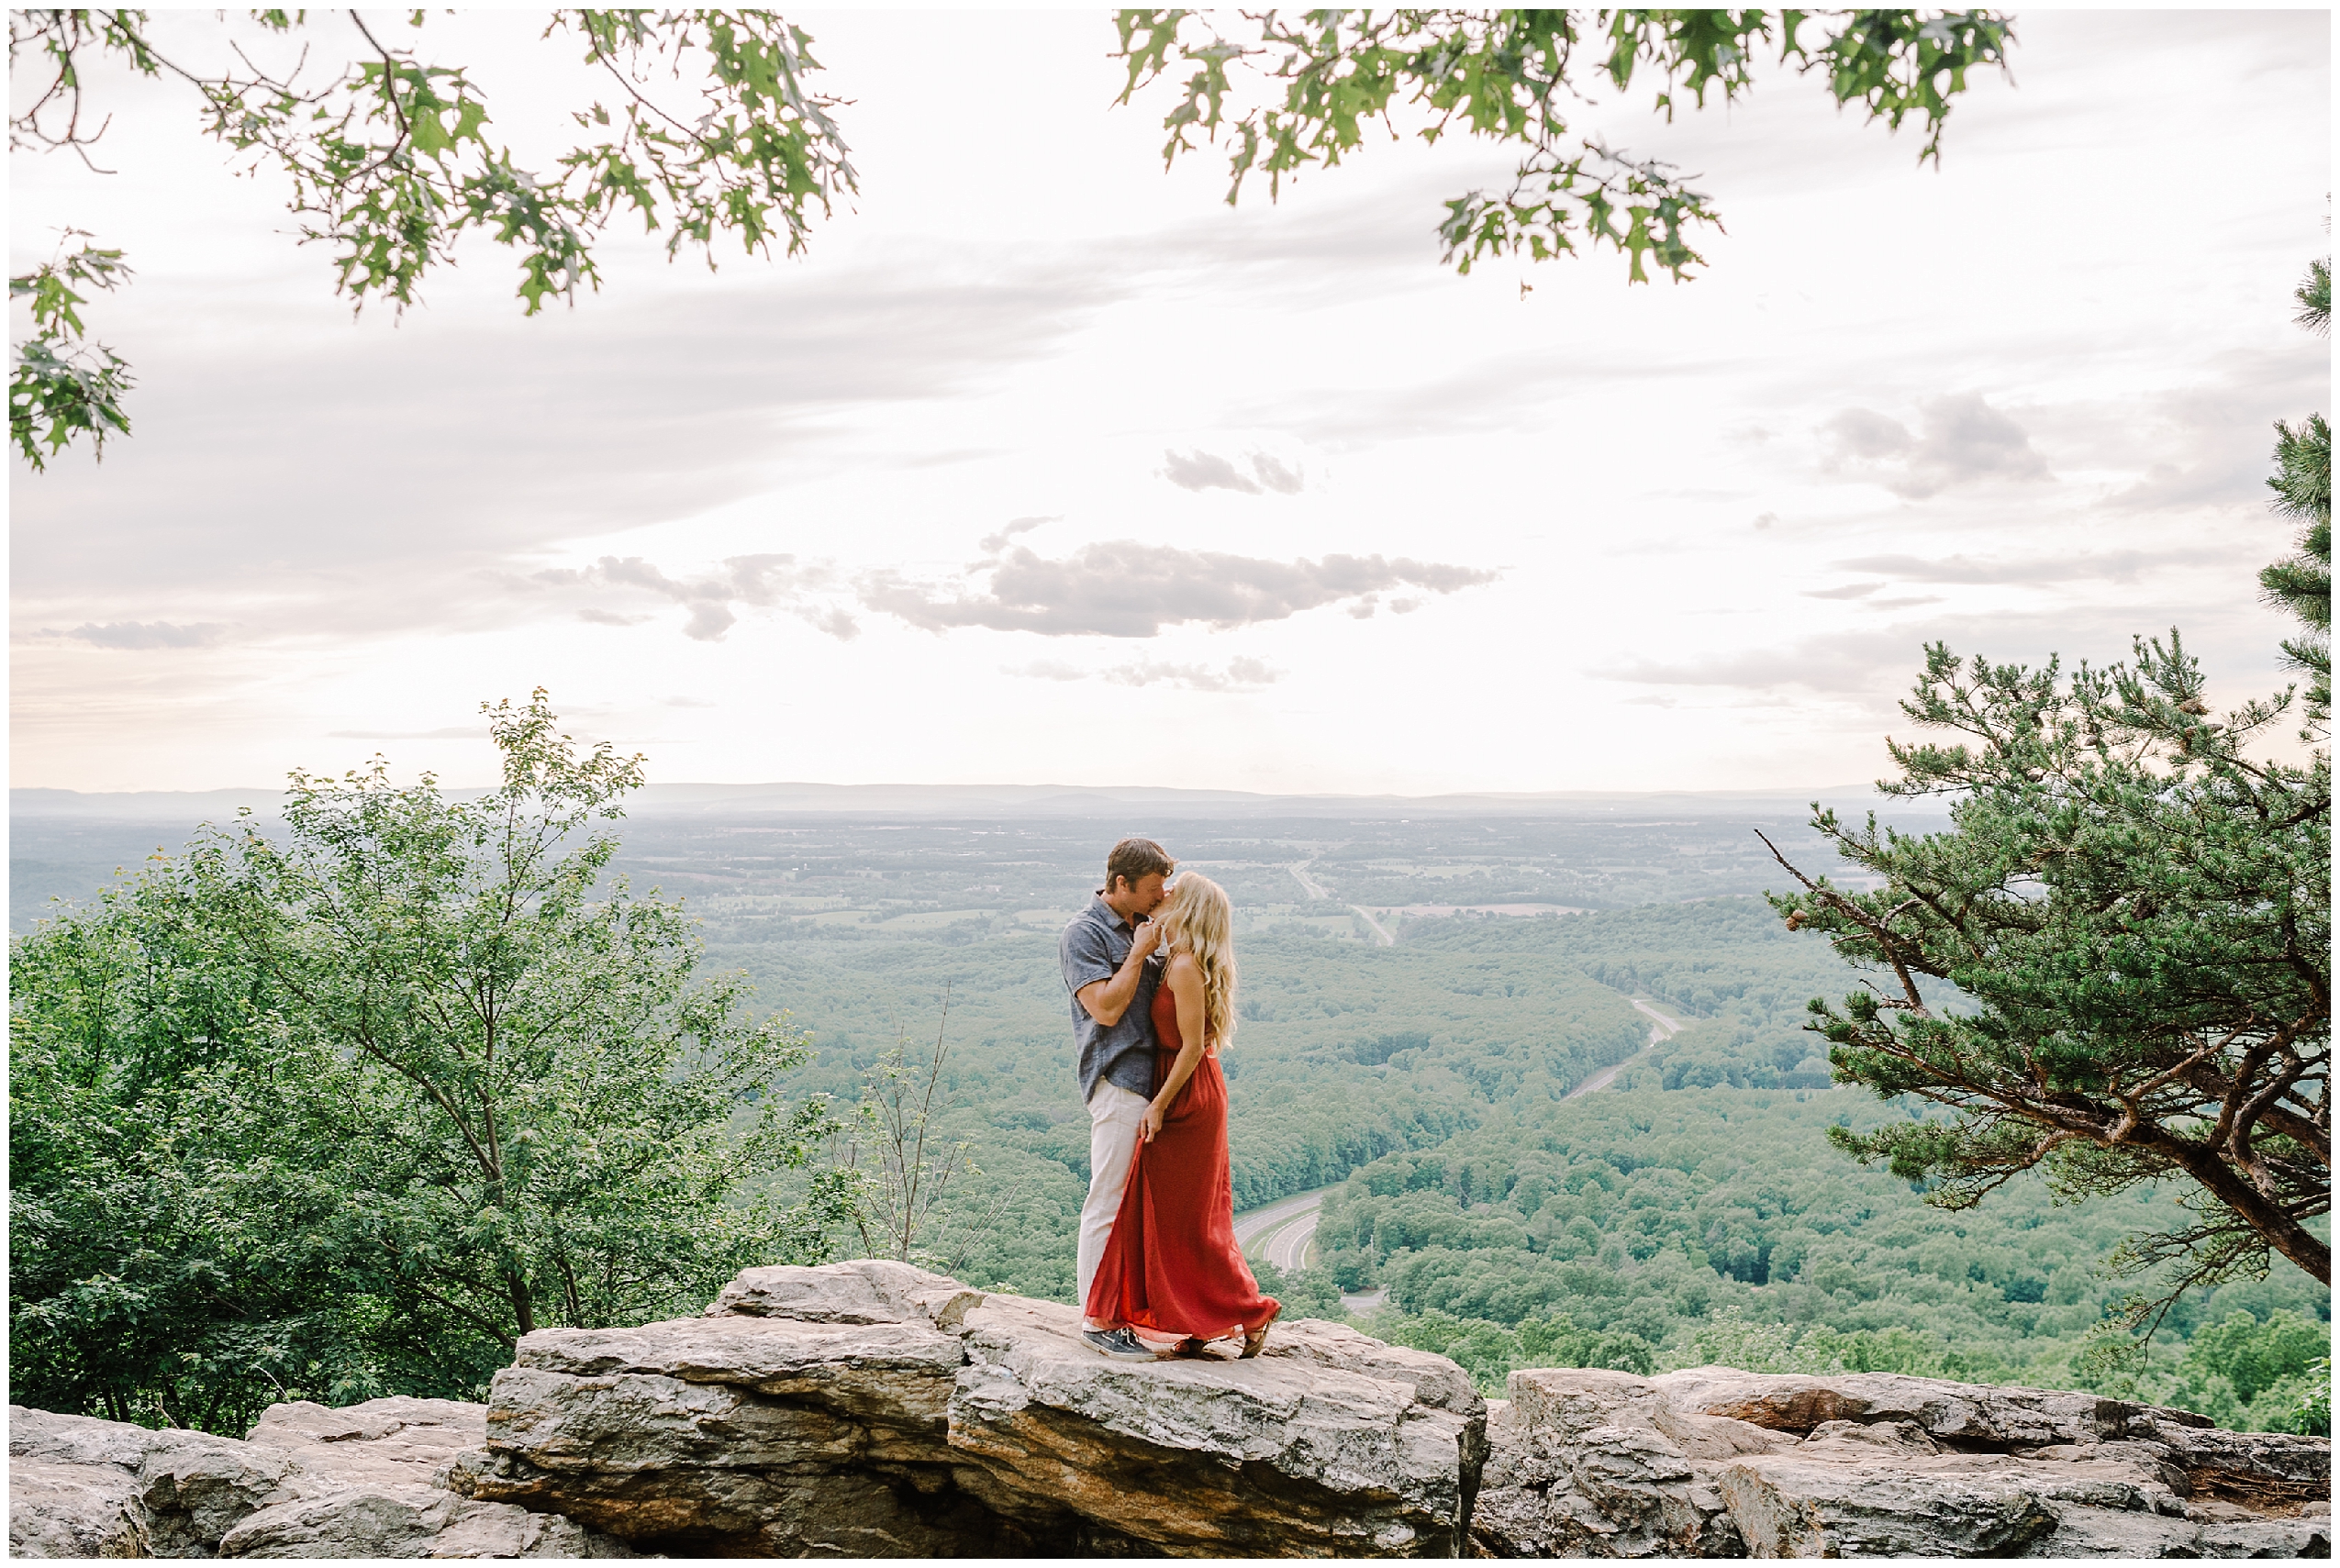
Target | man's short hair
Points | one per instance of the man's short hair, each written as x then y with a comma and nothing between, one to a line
1134,858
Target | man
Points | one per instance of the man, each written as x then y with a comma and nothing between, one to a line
1111,969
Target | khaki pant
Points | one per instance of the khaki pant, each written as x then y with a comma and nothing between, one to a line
1113,1116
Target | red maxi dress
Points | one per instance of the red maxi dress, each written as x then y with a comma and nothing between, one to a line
1172,1265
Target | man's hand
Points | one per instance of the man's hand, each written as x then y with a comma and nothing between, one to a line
1107,1000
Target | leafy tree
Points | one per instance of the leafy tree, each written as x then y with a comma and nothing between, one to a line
1513,76
59,386
2255,1356
389,162
170,1251
2302,486
347,1110
2140,914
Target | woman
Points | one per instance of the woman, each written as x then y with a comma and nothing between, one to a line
1171,1268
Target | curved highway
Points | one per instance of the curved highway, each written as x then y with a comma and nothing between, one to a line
1281,1232
1661,1028
1284,1232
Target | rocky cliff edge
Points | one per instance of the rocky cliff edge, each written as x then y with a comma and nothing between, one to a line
873,1409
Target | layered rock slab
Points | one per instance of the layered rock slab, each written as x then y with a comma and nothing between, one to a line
873,1409
1713,1462
363,1481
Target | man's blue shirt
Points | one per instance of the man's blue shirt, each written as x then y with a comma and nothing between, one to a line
1094,948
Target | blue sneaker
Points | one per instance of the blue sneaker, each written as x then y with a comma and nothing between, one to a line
1118,1343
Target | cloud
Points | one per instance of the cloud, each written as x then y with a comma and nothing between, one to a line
1047,670
2113,566
1125,588
1849,591
1201,470
1845,662
1964,440
142,635
649,404
764,581
685,702
992,544
453,733
1205,471
1274,475
1241,674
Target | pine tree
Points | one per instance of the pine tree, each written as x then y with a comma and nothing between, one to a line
2302,486
2134,908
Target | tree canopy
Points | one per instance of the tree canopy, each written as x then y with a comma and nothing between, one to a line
712,128
2302,583
2137,913
388,161
1515,77
344,1109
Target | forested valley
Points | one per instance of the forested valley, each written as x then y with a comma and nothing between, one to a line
1419,999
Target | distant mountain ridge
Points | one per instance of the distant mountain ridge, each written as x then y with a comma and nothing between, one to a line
1023,800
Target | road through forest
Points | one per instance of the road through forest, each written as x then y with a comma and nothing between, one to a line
1284,1232
1316,890
1661,1028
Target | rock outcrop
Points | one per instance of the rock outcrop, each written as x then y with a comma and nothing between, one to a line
1714,1462
364,1481
873,1409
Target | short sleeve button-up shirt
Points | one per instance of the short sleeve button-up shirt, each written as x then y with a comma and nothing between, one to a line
1094,947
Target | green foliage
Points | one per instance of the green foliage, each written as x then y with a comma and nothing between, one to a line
2302,486
1730,1339
61,387
1302,1293
2311,1411
1724,963
904,1167
1505,76
2243,1370
389,161
2140,911
1709,1225
348,1112
2254,1357
1491,1351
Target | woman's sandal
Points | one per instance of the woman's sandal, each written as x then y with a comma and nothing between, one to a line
1255,1340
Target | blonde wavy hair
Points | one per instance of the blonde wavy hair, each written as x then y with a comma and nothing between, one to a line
1198,920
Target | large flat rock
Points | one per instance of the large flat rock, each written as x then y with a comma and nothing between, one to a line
363,1481
872,1409
1714,1462
1321,1449
875,1410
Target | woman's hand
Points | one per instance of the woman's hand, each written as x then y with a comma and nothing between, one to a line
1151,1123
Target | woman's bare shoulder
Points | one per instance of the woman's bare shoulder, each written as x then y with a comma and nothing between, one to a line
1181,965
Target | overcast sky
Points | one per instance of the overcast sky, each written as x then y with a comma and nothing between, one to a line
1045,466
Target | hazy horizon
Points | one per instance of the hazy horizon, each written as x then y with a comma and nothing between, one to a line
1024,795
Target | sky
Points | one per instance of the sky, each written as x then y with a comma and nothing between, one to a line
1044,465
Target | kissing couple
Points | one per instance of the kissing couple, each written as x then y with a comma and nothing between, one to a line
1152,969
